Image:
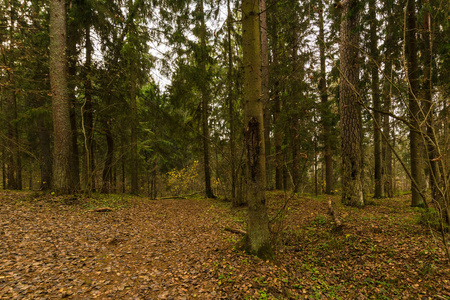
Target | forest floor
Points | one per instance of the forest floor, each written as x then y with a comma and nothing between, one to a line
53,248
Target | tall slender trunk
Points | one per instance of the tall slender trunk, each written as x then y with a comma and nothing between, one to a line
376,100
122,164
294,118
437,184
387,95
74,169
107,176
46,154
61,182
89,116
265,96
417,172
278,132
134,149
428,105
284,161
42,127
328,154
257,240
12,151
231,107
205,103
388,168
350,110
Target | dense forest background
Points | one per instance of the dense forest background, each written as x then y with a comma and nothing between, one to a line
223,149
148,97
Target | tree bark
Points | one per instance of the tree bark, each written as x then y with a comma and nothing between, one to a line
12,169
350,110
42,127
73,35
61,182
46,155
328,154
257,240
294,105
276,103
417,172
428,105
387,92
235,201
134,148
376,101
265,97
107,169
89,116
205,102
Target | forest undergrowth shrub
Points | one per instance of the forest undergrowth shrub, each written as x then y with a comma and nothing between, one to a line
184,181
430,217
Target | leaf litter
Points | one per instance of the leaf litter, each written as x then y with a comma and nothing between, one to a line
178,249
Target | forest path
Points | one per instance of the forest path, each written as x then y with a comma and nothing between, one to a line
51,248
151,250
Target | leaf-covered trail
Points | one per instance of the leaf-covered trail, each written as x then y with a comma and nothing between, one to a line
177,249
152,250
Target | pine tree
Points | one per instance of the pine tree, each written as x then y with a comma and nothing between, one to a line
350,110
257,240
61,182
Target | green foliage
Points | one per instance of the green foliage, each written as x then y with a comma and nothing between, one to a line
430,217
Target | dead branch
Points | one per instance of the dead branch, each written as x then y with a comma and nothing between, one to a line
102,209
234,230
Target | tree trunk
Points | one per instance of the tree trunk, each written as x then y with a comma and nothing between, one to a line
294,105
428,105
42,127
276,102
204,88
376,101
134,148
257,240
350,111
231,105
387,92
417,172
328,154
46,155
107,178
12,150
89,116
122,163
61,182
74,168
388,168
438,187
265,97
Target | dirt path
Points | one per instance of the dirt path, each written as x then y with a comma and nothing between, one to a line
152,250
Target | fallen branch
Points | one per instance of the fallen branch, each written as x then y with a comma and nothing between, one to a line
102,209
234,230
333,213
